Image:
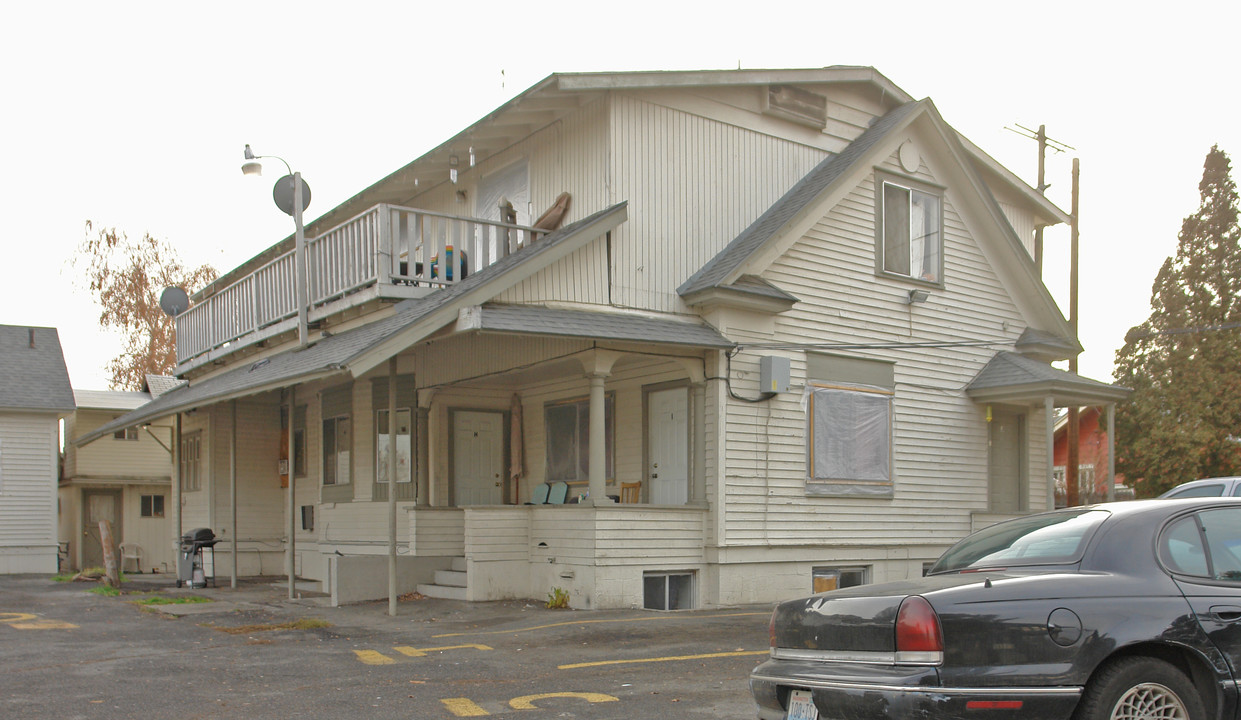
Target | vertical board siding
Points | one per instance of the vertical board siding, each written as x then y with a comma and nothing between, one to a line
693,185
939,435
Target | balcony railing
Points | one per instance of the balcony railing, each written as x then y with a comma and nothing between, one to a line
387,247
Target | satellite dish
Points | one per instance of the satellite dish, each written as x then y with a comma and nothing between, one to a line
282,193
173,301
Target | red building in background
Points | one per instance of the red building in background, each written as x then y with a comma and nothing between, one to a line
1092,468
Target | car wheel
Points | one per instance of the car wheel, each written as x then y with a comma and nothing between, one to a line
1140,688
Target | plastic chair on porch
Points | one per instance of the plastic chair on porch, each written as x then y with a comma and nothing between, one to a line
131,551
559,491
630,492
539,496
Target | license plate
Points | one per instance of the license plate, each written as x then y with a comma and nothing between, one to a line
801,707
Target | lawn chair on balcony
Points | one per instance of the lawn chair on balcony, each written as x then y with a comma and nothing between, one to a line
558,493
630,492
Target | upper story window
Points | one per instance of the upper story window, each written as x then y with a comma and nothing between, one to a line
126,434
910,236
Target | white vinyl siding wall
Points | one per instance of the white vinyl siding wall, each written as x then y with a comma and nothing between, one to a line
28,475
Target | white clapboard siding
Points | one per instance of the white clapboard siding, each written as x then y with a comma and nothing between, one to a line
940,436
495,534
649,536
28,470
568,531
152,534
438,532
109,457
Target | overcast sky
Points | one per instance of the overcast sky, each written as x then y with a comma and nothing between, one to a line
134,115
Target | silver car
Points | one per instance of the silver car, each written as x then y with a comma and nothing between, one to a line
1209,487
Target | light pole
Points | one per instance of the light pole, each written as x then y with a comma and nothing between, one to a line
292,196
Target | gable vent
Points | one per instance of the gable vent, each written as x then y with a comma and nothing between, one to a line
792,103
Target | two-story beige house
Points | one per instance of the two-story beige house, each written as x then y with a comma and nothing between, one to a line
123,477
784,332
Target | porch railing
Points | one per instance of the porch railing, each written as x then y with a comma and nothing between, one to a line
385,246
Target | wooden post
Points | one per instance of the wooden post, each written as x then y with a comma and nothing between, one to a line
1073,429
110,572
1042,188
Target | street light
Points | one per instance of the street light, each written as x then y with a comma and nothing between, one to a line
292,195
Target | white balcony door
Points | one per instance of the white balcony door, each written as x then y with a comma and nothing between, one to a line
478,458
668,446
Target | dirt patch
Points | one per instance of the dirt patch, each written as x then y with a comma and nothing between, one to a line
302,624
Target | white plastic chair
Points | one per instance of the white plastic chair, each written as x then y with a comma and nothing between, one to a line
131,551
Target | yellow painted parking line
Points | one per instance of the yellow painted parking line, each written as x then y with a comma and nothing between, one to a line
738,653
373,657
29,621
526,702
422,652
591,622
463,707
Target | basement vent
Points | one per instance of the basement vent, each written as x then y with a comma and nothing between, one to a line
668,591
800,106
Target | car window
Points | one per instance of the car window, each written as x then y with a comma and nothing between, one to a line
1236,490
1182,548
1212,490
1051,538
1223,532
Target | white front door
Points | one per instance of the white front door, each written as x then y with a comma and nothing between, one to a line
668,447
478,458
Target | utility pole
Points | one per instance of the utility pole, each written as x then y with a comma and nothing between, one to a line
1073,430
1044,143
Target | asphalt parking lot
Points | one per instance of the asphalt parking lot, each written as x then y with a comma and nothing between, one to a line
253,653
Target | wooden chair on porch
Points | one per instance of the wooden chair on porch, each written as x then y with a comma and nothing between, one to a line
630,492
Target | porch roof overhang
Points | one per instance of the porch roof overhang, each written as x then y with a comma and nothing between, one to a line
356,351
1009,378
539,320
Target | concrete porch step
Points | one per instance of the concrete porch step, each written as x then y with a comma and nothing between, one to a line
450,578
459,564
443,592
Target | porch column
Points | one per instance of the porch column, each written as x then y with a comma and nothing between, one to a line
176,488
423,459
290,561
1049,422
232,489
698,485
598,442
1111,452
391,470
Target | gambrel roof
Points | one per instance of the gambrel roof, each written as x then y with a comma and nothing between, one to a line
753,249
33,376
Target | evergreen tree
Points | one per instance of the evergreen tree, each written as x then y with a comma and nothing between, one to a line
1183,421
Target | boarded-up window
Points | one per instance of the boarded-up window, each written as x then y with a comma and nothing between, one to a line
849,426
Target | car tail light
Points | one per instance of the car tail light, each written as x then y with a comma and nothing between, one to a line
918,636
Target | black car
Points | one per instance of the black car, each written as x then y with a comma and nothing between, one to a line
1122,611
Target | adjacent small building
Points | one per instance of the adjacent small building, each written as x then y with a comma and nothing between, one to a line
123,477
34,395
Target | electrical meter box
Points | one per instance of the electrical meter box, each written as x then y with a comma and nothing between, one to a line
773,374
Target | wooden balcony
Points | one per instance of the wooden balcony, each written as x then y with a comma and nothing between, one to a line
386,253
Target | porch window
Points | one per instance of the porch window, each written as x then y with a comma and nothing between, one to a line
152,506
567,426
191,462
404,445
337,441
910,239
849,426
